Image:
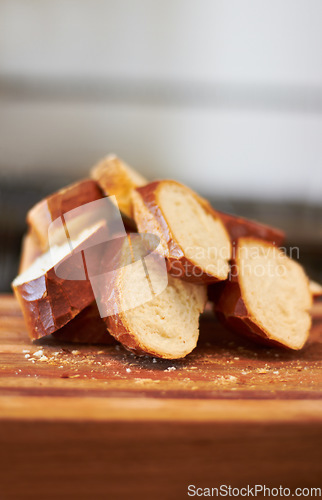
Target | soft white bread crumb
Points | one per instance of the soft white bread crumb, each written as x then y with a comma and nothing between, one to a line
275,290
202,237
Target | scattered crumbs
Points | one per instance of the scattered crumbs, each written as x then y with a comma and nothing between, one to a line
56,353
276,355
100,352
74,376
25,350
154,360
236,358
299,368
27,356
62,366
170,369
226,378
243,372
261,370
39,353
43,358
75,352
193,367
117,347
128,370
276,372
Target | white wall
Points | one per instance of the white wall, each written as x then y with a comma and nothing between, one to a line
225,95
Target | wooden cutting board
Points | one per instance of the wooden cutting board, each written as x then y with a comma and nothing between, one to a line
98,422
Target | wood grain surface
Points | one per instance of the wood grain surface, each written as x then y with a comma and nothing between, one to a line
98,422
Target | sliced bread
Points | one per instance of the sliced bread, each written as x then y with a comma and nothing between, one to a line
156,314
194,240
268,297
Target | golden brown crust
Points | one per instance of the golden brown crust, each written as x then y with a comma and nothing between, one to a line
119,329
154,221
49,302
116,178
30,250
240,227
46,211
86,328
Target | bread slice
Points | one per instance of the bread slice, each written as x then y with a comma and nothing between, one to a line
155,314
117,178
30,250
193,239
240,227
49,302
46,211
268,297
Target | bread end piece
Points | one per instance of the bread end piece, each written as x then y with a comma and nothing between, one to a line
117,178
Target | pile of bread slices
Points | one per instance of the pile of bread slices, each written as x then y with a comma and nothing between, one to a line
234,263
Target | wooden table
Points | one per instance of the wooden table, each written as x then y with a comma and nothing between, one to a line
97,422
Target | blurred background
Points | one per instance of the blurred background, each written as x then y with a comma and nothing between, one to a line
224,95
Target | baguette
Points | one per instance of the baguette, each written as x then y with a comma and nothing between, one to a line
117,178
54,206
156,315
49,302
268,298
194,241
